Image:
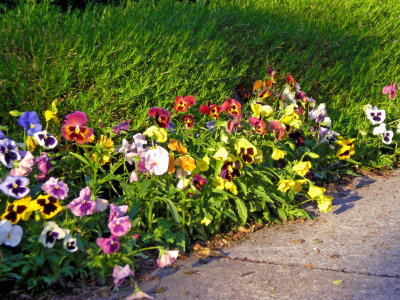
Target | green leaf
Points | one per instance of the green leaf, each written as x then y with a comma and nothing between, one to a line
263,195
129,189
173,210
144,186
81,158
242,186
281,213
231,214
312,154
242,210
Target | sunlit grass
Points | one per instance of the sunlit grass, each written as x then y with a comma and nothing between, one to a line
115,62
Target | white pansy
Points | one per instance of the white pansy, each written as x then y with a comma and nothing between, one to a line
379,129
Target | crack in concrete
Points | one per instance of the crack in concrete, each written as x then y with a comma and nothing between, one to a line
245,259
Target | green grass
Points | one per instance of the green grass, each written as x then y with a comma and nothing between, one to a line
116,62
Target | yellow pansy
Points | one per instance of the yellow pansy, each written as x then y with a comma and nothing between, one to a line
302,168
203,164
52,114
278,154
247,151
298,185
221,154
315,191
260,110
206,221
284,185
47,206
31,143
106,146
347,149
222,184
18,210
325,203
159,133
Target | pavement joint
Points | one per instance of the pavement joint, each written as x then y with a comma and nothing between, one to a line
265,262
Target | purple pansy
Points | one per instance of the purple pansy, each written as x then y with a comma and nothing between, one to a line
8,152
198,181
375,115
56,188
387,137
117,211
318,114
3,136
120,273
108,245
29,120
15,186
121,126
119,226
51,232
82,206
44,165
211,125
45,139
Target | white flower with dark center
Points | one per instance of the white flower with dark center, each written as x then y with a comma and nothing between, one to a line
375,115
387,137
45,139
51,232
10,235
379,129
70,244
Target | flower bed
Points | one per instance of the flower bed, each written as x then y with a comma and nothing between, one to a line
79,201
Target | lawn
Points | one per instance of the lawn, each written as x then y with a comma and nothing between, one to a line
114,62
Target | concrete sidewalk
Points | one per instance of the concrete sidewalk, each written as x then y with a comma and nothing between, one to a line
353,252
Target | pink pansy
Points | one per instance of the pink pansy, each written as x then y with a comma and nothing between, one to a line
167,258
117,211
101,205
24,166
82,206
134,177
233,123
157,160
56,188
277,129
258,124
108,245
391,90
119,226
44,165
120,273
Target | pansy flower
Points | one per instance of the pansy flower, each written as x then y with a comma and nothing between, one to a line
297,185
8,152
47,206
277,129
56,188
24,166
167,258
259,125
29,120
188,121
298,137
290,80
176,145
45,139
245,150
117,211
379,129
52,114
302,168
183,103
44,165
260,110
50,233
108,245
18,210
234,123
160,134
121,126
10,235
186,162
278,154
231,170
223,184
162,116
212,110
120,273
375,115
232,107
198,181
318,114
347,148
70,244
82,206
15,186
74,128
157,160
119,226
387,137
391,90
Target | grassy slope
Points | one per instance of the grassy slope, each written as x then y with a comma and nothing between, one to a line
114,63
